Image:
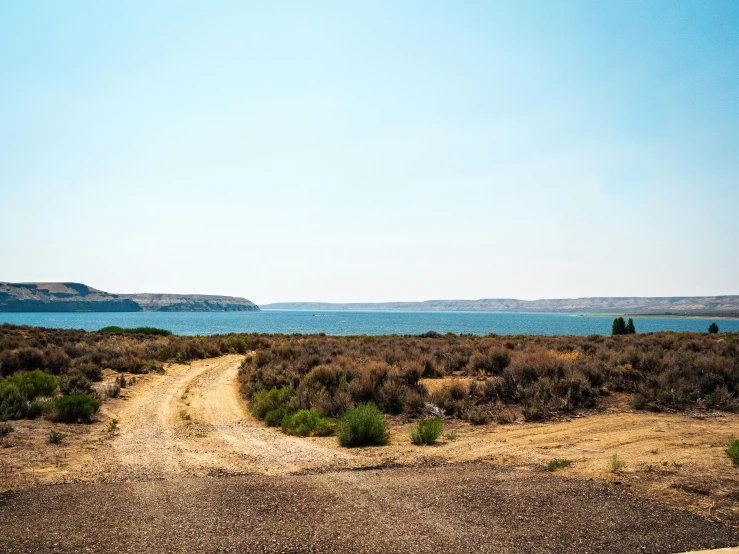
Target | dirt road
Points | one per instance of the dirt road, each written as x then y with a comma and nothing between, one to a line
191,421
188,470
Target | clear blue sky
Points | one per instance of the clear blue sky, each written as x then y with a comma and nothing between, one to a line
370,151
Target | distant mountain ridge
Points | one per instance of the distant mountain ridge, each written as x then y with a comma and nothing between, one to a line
76,297
679,305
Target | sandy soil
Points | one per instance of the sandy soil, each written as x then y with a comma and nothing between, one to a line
190,423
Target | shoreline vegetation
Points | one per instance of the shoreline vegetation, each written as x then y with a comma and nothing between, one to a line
730,315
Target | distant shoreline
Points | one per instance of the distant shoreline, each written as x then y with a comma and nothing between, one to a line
708,306
693,316
722,315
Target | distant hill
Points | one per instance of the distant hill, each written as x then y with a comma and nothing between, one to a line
678,305
190,303
76,297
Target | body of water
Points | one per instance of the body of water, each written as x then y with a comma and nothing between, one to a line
359,323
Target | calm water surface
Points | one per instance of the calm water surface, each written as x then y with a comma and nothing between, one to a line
358,323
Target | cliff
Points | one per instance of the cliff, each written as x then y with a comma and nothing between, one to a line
191,303
76,297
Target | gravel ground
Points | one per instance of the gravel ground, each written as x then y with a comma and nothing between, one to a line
452,508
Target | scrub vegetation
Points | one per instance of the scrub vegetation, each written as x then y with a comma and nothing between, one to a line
135,331
426,430
490,378
480,379
733,450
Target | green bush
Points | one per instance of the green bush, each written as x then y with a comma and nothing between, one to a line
363,425
5,430
55,437
713,328
73,409
733,450
36,407
274,418
307,423
266,401
13,403
32,383
426,431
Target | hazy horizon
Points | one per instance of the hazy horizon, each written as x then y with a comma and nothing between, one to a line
372,152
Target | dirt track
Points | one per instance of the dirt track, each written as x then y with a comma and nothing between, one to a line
189,470
192,422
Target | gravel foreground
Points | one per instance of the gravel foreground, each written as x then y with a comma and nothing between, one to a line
452,508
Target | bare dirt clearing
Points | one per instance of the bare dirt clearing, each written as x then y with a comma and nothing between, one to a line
150,484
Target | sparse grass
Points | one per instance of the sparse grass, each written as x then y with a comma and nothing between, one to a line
55,437
426,430
555,464
733,451
113,426
451,436
615,463
184,416
363,425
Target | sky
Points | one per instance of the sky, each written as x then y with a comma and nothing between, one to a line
371,151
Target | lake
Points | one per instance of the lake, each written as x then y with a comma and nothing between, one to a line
358,323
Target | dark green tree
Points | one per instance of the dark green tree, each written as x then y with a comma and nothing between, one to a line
619,326
713,328
630,329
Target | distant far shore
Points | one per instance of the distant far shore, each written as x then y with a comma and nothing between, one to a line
674,306
721,315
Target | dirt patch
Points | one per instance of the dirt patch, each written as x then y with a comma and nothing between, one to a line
455,508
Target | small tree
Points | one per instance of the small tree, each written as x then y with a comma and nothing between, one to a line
713,328
630,329
619,326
